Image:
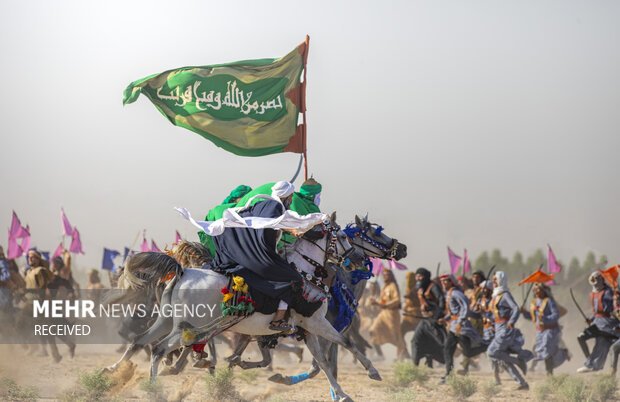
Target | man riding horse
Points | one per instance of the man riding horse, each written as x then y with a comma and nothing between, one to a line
252,254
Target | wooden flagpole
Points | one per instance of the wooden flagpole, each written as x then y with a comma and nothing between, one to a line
304,111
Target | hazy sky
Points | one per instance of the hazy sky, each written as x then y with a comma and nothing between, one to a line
474,124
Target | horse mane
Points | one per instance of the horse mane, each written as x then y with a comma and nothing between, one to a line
148,270
192,254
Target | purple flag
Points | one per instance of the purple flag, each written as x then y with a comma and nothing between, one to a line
395,265
76,243
58,251
145,245
17,231
177,237
455,261
154,247
466,265
66,226
552,265
14,250
377,266
26,240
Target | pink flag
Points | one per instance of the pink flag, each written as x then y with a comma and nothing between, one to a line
377,266
466,265
17,231
58,251
455,261
177,237
26,240
552,265
14,250
76,243
145,245
66,226
395,265
154,247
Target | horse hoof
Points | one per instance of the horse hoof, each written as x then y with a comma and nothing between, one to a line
202,363
169,371
278,378
373,374
347,398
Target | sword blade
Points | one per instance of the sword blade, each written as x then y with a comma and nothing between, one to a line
577,304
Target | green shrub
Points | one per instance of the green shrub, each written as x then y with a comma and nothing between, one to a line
96,384
406,372
490,389
220,385
462,387
549,387
404,395
154,387
574,389
604,387
248,376
10,391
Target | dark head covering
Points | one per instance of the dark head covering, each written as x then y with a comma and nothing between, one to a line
479,272
426,277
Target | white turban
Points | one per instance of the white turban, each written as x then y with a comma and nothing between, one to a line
282,189
502,281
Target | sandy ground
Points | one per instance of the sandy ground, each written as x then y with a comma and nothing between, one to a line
52,379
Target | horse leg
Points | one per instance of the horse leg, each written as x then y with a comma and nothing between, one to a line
263,363
211,344
161,327
181,361
315,349
167,345
242,343
321,327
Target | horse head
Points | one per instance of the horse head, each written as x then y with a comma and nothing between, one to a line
329,242
370,238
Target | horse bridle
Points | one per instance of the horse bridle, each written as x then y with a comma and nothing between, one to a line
353,231
329,252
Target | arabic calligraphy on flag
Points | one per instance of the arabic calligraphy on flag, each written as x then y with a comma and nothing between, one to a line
249,108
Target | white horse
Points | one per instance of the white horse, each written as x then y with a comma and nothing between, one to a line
199,287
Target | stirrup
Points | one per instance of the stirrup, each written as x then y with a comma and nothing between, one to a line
279,325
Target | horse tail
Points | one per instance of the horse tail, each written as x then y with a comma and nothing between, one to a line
148,270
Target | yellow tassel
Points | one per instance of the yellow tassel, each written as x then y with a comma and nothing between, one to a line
188,335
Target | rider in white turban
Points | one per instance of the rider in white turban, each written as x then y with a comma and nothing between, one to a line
282,189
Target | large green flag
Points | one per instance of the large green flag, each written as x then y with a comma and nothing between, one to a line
250,108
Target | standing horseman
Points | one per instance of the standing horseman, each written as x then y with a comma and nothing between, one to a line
386,327
429,336
545,315
602,325
475,318
615,348
411,312
460,330
508,340
483,307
